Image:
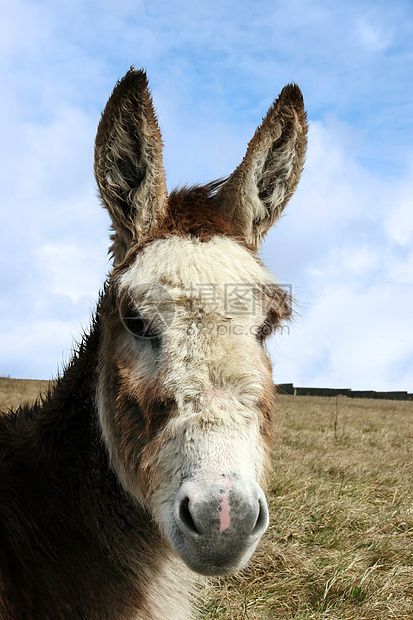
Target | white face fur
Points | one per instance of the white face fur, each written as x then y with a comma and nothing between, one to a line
206,357
209,327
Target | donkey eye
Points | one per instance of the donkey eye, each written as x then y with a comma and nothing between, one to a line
139,327
264,330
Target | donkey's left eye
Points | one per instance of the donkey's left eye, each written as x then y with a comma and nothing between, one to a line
265,330
139,327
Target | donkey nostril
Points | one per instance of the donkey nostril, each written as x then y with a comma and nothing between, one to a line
186,517
262,519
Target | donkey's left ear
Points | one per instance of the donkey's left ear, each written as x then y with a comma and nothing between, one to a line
256,193
128,163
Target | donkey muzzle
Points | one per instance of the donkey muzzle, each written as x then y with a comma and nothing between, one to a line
217,526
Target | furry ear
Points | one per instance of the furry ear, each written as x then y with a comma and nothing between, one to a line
128,163
256,193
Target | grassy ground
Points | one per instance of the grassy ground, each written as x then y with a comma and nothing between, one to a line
15,391
340,541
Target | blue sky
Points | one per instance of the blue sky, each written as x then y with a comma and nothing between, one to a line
346,240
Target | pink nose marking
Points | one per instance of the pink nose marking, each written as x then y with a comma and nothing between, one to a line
225,519
216,396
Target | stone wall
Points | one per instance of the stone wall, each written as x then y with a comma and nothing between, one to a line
288,388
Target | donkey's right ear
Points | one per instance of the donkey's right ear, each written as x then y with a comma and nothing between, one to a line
128,163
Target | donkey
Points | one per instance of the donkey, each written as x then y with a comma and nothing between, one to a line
146,461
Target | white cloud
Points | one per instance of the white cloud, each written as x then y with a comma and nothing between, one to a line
71,271
375,38
350,338
48,344
354,284
399,221
54,233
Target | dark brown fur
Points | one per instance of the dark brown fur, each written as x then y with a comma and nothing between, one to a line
72,543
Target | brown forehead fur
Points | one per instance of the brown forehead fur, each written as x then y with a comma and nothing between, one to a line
191,212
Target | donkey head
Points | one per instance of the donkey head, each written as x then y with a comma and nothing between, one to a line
185,396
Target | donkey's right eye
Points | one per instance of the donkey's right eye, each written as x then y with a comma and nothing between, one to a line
139,327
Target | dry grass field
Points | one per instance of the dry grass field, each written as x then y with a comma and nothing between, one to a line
16,391
340,541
